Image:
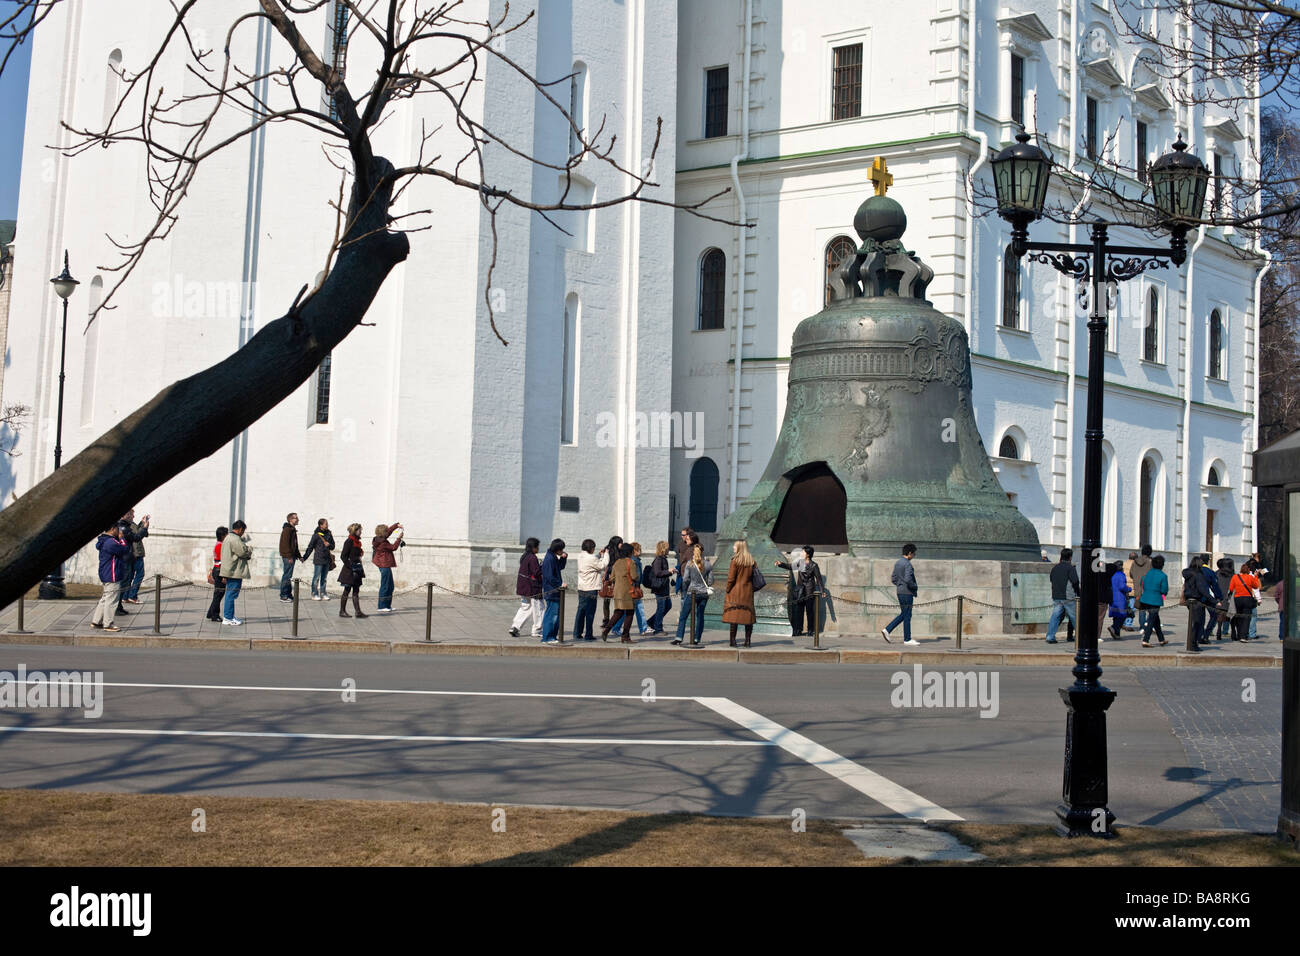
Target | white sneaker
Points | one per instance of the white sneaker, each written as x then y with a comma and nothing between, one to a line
912,643
885,634
232,621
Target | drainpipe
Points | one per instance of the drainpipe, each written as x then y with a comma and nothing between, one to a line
968,291
1071,340
1254,490
1188,312
1259,281
738,351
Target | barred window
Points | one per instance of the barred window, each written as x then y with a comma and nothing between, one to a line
1151,335
715,102
1010,290
713,283
837,250
1018,89
1142,164
1090,128
338,47
1216,345
323,391
846,82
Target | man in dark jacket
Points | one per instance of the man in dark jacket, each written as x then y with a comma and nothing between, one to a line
552,584
1138,571
289,555
133,574
1199,597
528,586
112,555
1064,579
904,580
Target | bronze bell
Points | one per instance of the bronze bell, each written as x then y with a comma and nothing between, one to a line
879,444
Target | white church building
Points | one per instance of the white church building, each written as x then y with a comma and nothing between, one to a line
640,315
791,104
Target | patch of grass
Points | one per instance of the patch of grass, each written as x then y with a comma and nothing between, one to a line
70,828
1035,845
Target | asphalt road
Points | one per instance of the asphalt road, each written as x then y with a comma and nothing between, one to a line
718,738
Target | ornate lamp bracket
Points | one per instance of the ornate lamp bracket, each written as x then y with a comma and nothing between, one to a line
1064,263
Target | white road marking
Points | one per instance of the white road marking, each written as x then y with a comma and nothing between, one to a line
380,690
604,741
878,788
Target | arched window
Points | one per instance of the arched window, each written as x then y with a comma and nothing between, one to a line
704,495
1146,501
1216,345
577,104
713,285
1213,477
837,250
90,357
1010,289
1151,335
1008,448
112,84
569,364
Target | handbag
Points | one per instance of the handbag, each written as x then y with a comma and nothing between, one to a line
758,580
607,584
635,594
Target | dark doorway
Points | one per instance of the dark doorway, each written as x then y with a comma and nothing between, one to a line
813,511
704,496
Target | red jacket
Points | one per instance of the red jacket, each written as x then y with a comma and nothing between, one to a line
385,552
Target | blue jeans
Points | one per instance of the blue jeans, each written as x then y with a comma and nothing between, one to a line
551,620
640,618
232,591
1254,622
318,573
286,579
385,588
904,616
663,605
133,578
585,620
1063,609
684,616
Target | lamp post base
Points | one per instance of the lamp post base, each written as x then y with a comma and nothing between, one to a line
52,587
1084,812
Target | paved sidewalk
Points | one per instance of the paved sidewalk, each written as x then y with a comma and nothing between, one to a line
479,625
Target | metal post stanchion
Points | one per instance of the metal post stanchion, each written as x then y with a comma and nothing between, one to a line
559,633
296,586
961,611
157,603
21,628
817,621
428,612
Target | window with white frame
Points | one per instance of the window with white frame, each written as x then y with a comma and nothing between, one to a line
713,284
715,101
846,81
1216,366
1151,327
1012,313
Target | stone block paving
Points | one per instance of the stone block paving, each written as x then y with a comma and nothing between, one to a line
484,621
1233,745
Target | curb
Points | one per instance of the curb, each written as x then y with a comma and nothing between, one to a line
640,652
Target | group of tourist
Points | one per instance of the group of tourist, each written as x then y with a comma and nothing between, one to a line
619,579
1226,601
121,566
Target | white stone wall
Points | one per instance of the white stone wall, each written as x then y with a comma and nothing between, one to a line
433,422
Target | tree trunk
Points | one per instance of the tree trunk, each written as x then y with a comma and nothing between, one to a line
192,418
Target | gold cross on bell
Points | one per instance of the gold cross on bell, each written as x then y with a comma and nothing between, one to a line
881,176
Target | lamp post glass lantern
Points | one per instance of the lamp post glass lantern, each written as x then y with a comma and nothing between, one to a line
1020,175
64,285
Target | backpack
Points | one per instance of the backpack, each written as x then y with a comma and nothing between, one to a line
647,578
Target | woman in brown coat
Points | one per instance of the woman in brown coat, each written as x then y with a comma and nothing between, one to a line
624,577
738,605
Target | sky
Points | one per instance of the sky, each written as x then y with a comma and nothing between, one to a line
13,112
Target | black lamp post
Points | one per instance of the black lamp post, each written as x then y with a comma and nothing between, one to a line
64,284
1178,180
